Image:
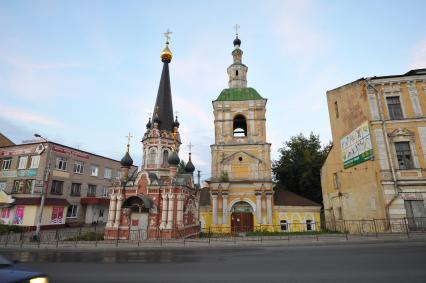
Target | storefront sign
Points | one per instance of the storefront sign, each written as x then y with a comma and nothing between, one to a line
57,215
19,215
356,147
19,173
71,152
17,151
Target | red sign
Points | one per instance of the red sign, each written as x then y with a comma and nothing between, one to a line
135,222
57,215
17,151
72,152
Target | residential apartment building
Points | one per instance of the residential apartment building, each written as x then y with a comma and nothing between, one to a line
75,183
376,168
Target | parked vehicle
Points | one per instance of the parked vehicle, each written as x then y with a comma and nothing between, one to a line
11,273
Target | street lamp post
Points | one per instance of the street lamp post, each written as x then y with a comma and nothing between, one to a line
44,191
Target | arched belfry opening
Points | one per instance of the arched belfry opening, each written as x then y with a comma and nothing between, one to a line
240,126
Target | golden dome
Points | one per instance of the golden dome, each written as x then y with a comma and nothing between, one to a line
166,55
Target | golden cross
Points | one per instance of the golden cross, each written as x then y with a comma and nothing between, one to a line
236,27
167,35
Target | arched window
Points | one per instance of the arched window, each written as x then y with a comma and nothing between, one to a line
152,156
240,126
236,73
165,157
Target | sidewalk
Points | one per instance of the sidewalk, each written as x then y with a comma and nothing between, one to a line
229,242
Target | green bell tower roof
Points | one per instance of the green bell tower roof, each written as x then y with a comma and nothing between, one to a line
238,94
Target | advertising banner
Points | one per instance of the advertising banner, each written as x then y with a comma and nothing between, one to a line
356,146
5,214
19,215
57,215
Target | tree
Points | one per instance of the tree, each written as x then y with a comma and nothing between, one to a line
298,168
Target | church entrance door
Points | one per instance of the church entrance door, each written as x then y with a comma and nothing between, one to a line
138,226
242,217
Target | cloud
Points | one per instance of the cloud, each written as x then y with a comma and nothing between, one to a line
24,116
418,56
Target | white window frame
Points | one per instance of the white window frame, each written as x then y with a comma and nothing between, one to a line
3,185
61,163
94,170
401,103
107,173
6,164
89,187
74,211
104,192
79,167
35,161
22,162
79,190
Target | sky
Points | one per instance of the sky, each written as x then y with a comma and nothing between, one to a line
86,73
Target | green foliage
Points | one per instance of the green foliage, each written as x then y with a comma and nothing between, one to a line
224,177
298,168
5,229
88,236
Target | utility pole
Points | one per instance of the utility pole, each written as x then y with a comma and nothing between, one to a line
45,187
199,177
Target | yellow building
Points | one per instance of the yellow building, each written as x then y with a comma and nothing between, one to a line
240,194
376,167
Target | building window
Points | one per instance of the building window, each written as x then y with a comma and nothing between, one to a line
22,162
118,175
35,161
104,192
165,157
94,170
309,225
108,173
2,186
394,108
79,167
72,211
91,191
23,186
236,73
5,164
56,188
403,154
61,163
101,213
336,181
240,126
75,189
336,109
284,225
151,157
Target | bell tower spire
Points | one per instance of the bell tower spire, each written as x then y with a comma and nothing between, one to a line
237,71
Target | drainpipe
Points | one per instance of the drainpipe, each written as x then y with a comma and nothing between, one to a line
387,146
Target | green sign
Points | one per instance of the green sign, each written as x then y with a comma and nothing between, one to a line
356,146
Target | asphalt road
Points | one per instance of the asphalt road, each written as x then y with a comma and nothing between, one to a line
378,262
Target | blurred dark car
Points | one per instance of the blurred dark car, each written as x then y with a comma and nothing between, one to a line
10,273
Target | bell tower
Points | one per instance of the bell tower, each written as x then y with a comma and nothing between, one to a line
241,162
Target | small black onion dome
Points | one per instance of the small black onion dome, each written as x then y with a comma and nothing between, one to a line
149,124
126,161
176,123
190,168
173,159
237,41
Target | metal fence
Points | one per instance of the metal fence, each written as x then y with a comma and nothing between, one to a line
312,231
